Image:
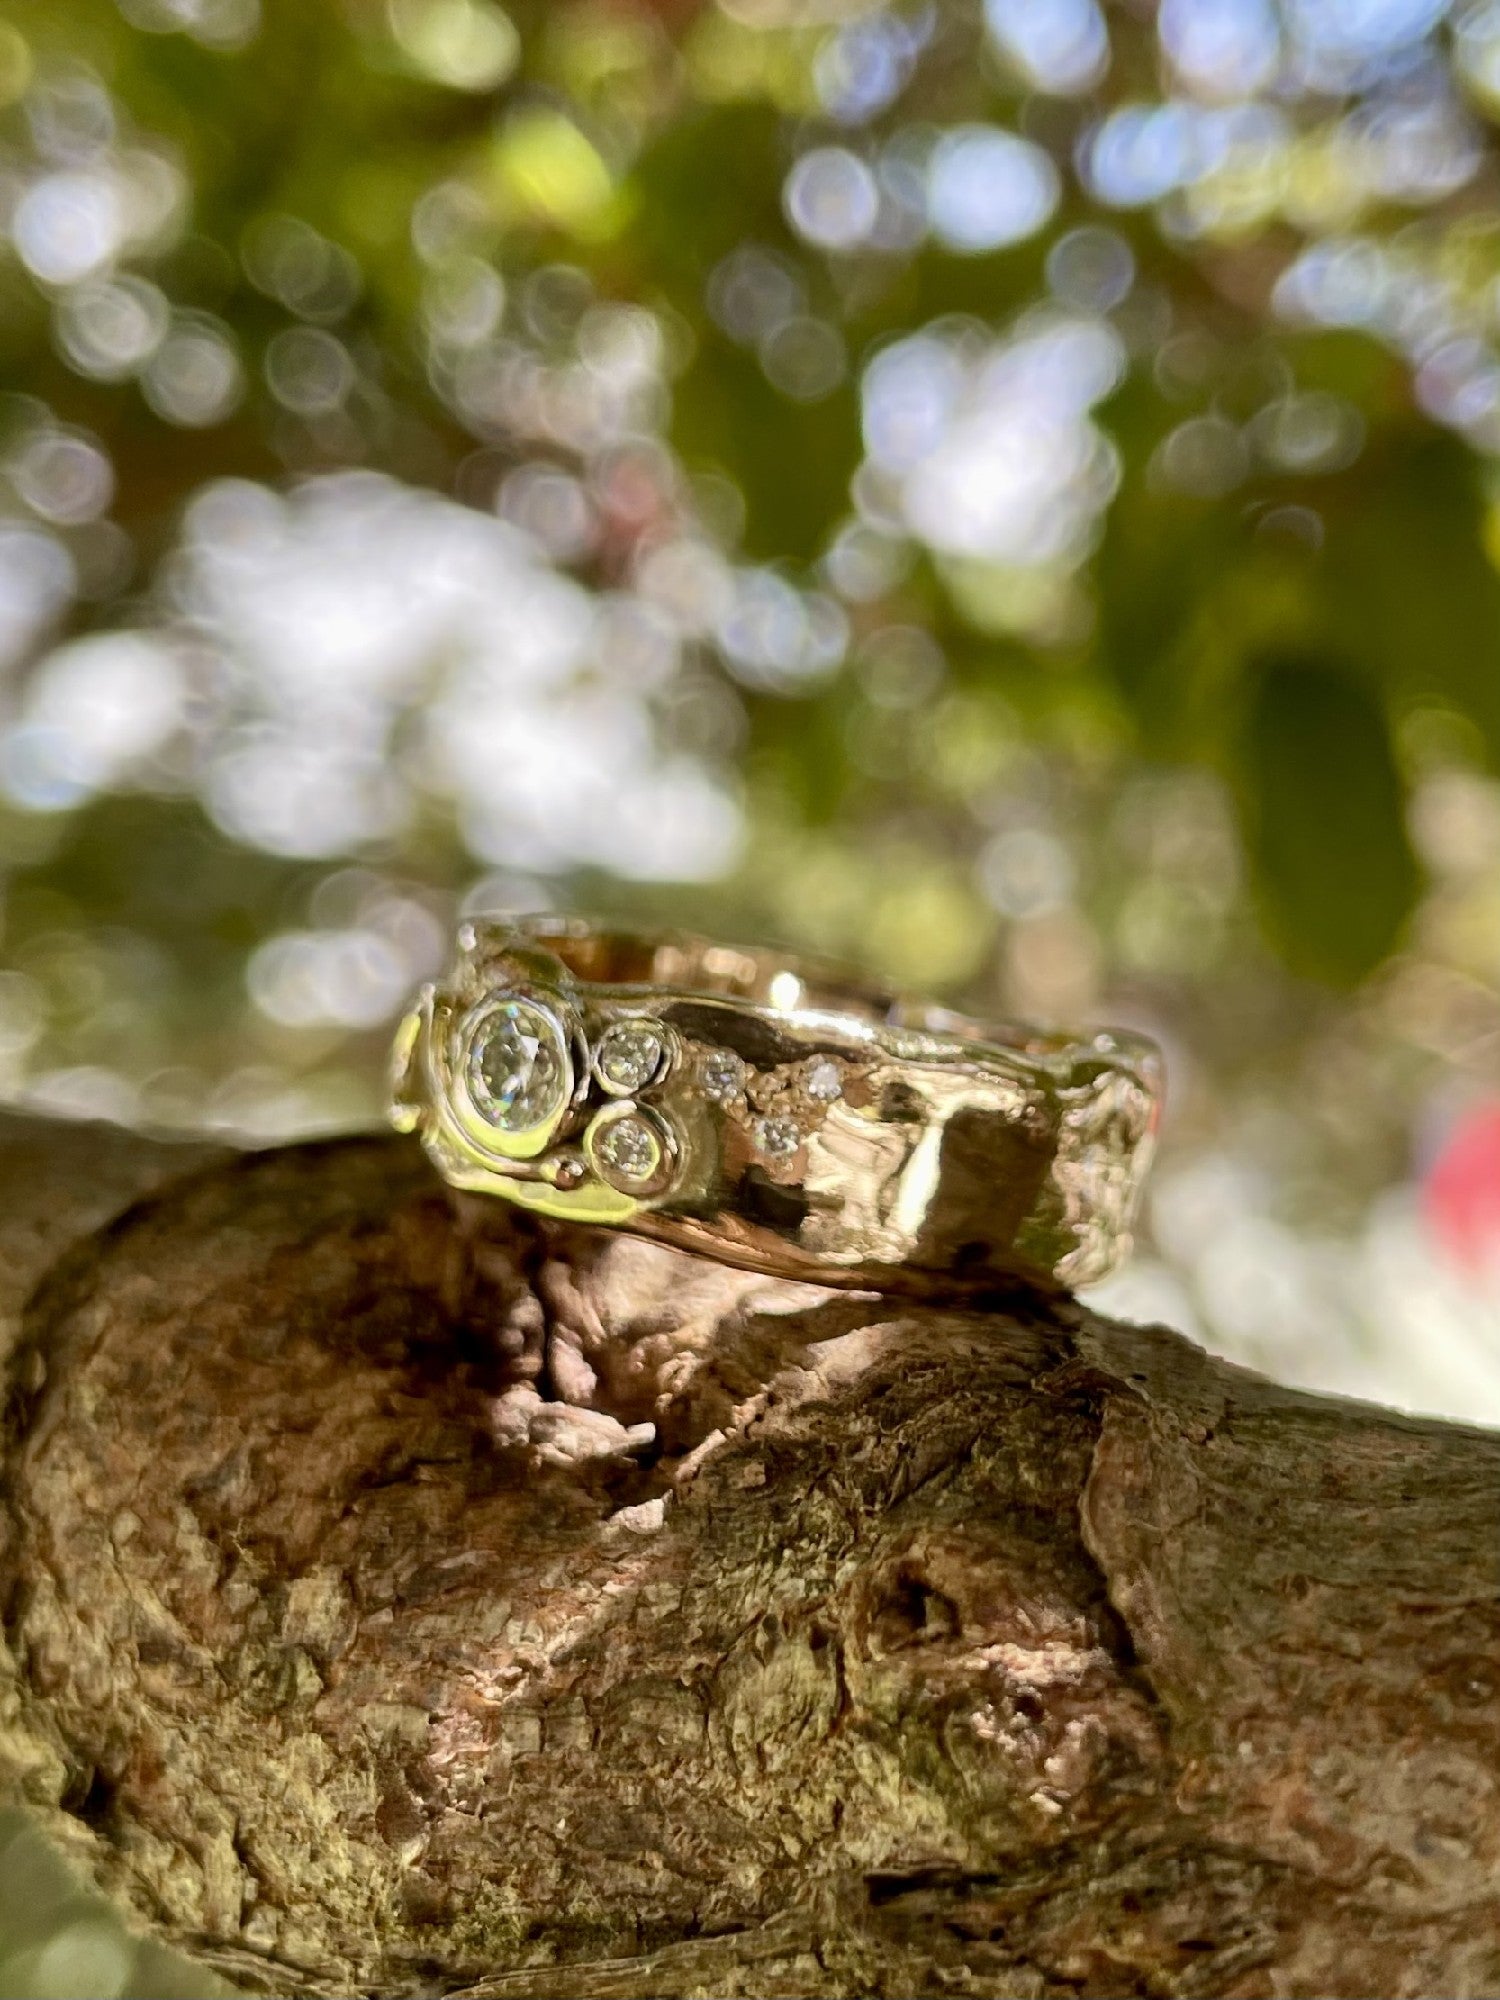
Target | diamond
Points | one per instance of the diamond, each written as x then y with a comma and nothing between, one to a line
629,1056
628,1149
518,1066
777,1137
825,1081
722,1075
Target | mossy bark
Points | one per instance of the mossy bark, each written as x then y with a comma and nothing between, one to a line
399,1600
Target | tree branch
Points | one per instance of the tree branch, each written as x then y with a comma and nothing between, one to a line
398,1601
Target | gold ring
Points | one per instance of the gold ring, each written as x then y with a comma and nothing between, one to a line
773,1113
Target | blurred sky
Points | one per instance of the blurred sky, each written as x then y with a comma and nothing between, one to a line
1006,494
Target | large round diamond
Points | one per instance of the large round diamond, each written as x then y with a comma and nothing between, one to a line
518,1066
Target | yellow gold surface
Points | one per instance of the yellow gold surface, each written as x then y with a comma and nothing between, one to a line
773,1113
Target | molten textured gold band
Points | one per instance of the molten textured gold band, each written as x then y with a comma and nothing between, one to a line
773,1113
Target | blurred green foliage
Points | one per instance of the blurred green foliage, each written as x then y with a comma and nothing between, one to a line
997,434
1324,802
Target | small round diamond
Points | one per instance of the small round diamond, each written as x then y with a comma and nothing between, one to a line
777,1137
825,1081
630,1056
722,1075
628,1150
518,1066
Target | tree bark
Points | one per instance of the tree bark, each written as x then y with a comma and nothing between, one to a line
399,1599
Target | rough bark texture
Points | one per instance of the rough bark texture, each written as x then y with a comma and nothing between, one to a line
400,1601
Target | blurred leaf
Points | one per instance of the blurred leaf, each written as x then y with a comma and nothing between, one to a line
547,171
1333,870
1408,580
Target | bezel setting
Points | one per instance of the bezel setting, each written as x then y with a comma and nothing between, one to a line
632,1149
631,1055
522,1125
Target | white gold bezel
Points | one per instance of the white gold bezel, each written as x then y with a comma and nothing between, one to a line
622,1023
669,1150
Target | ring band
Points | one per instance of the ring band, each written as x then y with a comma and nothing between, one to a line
772,1113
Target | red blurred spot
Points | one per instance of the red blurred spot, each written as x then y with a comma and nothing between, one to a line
1461,1194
